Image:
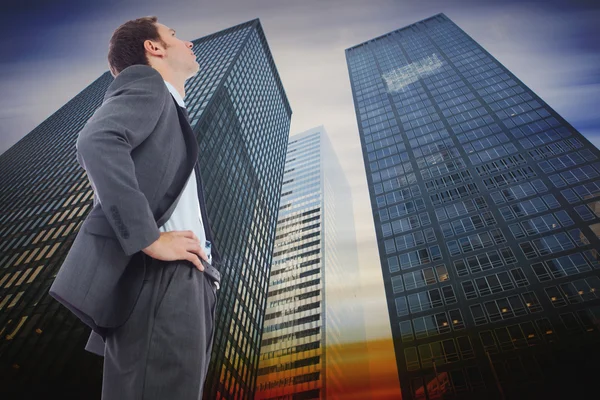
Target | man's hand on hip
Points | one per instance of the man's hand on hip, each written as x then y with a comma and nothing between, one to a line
177,245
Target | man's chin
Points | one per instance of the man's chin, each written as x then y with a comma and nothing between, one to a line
193,72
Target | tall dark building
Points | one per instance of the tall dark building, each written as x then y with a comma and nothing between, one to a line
241,117
486,208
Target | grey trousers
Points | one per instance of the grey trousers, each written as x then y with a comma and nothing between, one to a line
163,350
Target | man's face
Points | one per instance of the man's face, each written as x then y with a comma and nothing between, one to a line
178,55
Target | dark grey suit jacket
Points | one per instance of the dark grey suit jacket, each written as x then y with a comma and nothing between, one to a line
138,150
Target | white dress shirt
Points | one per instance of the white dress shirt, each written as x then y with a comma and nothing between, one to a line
187,215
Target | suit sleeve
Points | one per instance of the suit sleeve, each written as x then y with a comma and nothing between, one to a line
104,149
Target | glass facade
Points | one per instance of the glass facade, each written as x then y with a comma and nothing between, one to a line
241,117
485,203
291,359
302,333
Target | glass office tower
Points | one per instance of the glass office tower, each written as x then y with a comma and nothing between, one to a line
303,337
486,208
240,114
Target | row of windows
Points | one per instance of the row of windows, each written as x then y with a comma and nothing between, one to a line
415,258
440,353
443,168
519,191
484,261
517,336
443,76
485,142
389,161
448,180
493,153
423,301
521,108
391,172
447,102
415,110
505,308
449,82
506,178
449,91
507,102
529,207
293,323
467,57
541,224
386,142
460,108
500,165
405,224
553,243
567,161
418,279
575,175
402,101
496,87
473,124
385,152
525,118
450,195
571,264
544,137
501,94
433,148
389,141
385,120
530,130
461,208
397,182
427,138
417,121
442,154
292,380
467,115
552,149
574,292
494,283
468,224
409,241
431,325
375,111
375,133
402,209
397,195
479,81
584,192
586,320
475,242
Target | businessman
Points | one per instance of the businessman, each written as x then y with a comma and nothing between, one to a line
140,272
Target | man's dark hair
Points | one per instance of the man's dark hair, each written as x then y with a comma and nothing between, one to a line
126,46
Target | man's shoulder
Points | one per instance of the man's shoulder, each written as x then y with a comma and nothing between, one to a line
137,76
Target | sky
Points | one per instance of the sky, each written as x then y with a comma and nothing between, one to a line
53,50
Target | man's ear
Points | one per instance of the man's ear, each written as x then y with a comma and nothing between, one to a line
153,48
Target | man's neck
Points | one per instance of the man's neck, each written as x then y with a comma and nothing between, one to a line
179,87
178,83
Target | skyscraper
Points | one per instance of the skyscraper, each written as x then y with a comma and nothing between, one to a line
485,203
240,114
303,341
